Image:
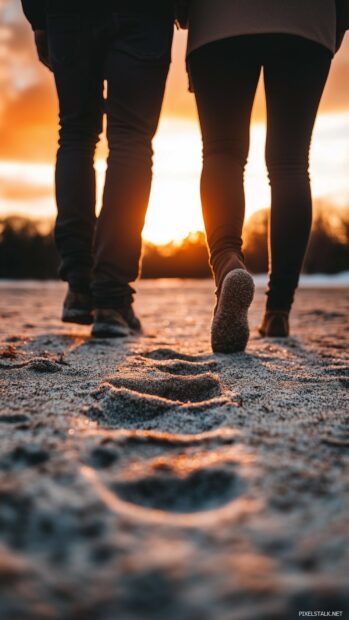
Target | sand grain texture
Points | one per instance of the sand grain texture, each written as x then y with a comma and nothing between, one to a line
150,479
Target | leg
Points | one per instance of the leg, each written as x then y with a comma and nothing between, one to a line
77,66
295,75
136,70
225,75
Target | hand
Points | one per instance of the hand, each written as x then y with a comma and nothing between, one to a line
41,42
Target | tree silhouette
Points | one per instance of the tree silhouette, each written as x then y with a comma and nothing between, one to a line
28,252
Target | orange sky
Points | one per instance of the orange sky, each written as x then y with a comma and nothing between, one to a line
28,133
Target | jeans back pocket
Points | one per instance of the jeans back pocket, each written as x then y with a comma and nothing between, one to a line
144,36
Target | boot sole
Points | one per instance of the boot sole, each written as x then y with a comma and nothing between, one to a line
230,330
81,317
106,330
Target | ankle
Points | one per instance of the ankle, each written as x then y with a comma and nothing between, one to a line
280,297
278,308
112,296
225,262
80,288
280,312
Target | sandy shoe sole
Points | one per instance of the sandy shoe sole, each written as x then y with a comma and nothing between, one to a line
230,331
72,315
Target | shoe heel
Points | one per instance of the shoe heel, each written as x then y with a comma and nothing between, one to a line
230,330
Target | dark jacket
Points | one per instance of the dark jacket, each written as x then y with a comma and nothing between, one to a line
182,9
182,13
36,11
342,15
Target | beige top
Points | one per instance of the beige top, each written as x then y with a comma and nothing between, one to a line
212,20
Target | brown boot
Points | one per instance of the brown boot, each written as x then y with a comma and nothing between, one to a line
116,323
275,324
77,308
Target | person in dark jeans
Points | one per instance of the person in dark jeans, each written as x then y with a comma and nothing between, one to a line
127,45
225,75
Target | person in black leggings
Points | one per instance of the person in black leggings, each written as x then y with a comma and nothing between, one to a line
225,76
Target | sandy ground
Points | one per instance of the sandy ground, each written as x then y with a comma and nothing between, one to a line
149,479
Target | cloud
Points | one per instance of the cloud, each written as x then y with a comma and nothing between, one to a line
25,190
28,109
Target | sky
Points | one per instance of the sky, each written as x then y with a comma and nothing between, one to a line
28,139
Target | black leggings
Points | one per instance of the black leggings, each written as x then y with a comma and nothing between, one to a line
225,76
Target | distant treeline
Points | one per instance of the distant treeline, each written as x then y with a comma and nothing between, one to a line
28,252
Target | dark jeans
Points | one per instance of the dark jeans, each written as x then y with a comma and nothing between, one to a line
131,51
225,75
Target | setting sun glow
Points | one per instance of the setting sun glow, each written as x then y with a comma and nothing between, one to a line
174,209
28,129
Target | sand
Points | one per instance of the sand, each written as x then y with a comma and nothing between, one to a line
150,479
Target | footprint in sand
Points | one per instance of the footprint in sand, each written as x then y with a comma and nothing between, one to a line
170,354
174,395
185,368
123,408
147,397
103,457
187,389
30,455
202,490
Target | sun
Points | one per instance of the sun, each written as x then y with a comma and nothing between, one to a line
175,209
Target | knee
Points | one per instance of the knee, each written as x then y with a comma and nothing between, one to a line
226,148
80,134
129,143
287,167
